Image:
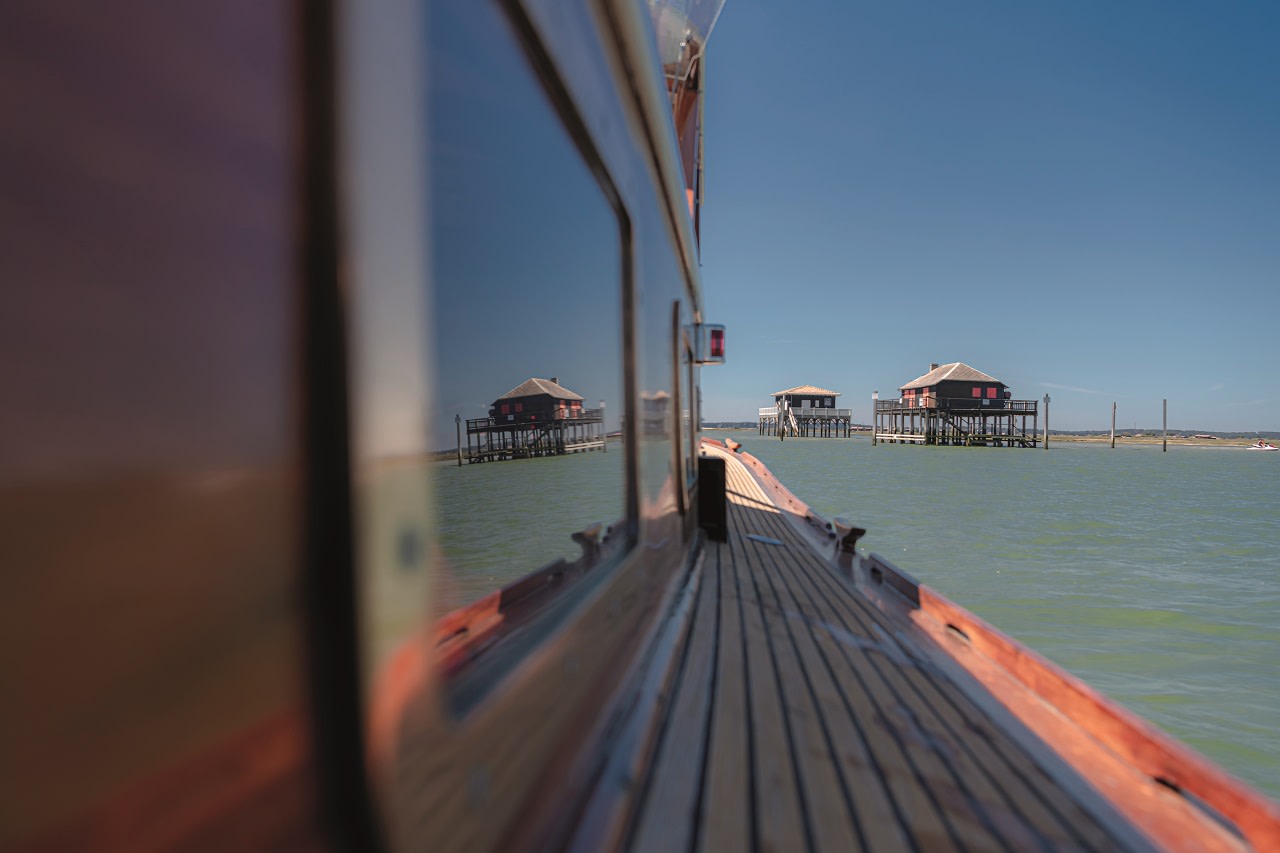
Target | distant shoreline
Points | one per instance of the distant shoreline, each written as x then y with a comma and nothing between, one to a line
1054,438
1145,439
1186,441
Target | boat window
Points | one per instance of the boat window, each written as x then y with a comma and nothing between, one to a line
694,422
526,263
659,449
486,275
679,401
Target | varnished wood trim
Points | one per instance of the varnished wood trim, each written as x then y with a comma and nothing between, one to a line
1155,754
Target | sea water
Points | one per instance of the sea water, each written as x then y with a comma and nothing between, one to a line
1153,576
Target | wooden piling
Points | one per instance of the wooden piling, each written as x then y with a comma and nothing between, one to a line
1046,421
875,416
457,426
1164,429
1113,425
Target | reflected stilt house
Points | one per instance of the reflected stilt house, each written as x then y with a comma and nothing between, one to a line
539,417
806,411
655,414
956,404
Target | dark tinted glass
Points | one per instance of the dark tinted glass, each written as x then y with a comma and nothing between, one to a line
526,265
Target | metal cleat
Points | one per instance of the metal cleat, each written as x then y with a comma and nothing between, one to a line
590,539
847,534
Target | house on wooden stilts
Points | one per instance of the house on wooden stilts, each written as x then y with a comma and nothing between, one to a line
806,411
539,417
958,405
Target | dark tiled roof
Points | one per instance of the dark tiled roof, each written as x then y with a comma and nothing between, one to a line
533,387
956,371
807,389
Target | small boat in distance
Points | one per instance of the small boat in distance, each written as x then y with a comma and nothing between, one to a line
1260,444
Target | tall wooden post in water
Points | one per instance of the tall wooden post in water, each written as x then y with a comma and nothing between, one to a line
1113,426
1164,428
457,427
875,416
1046,421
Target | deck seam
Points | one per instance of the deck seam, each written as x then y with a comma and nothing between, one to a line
701,787
753,787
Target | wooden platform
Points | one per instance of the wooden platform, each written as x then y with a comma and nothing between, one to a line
966,422
810,709
493,440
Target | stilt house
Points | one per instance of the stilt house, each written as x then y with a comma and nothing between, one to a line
958,384
957,404
538,417
805,410
536,400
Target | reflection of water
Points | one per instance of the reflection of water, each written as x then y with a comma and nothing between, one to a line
1153,576
501,520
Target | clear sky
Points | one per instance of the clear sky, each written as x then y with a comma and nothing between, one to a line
1079,198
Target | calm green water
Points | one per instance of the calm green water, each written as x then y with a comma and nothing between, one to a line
501,520
1155,577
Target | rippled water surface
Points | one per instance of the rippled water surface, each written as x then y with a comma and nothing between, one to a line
501,520
1153,576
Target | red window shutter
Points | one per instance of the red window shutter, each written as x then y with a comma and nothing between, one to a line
977,392
506,408
991,393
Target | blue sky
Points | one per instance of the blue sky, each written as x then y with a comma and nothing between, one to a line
1080,199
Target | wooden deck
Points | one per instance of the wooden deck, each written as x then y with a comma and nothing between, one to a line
810,709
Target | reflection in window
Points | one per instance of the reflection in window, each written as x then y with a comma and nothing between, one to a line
528,316
693,415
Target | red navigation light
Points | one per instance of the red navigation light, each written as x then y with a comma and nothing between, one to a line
710,344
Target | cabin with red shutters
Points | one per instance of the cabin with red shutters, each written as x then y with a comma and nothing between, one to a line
537,400
957,404
538,417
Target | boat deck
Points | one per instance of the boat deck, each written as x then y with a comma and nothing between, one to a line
814,708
